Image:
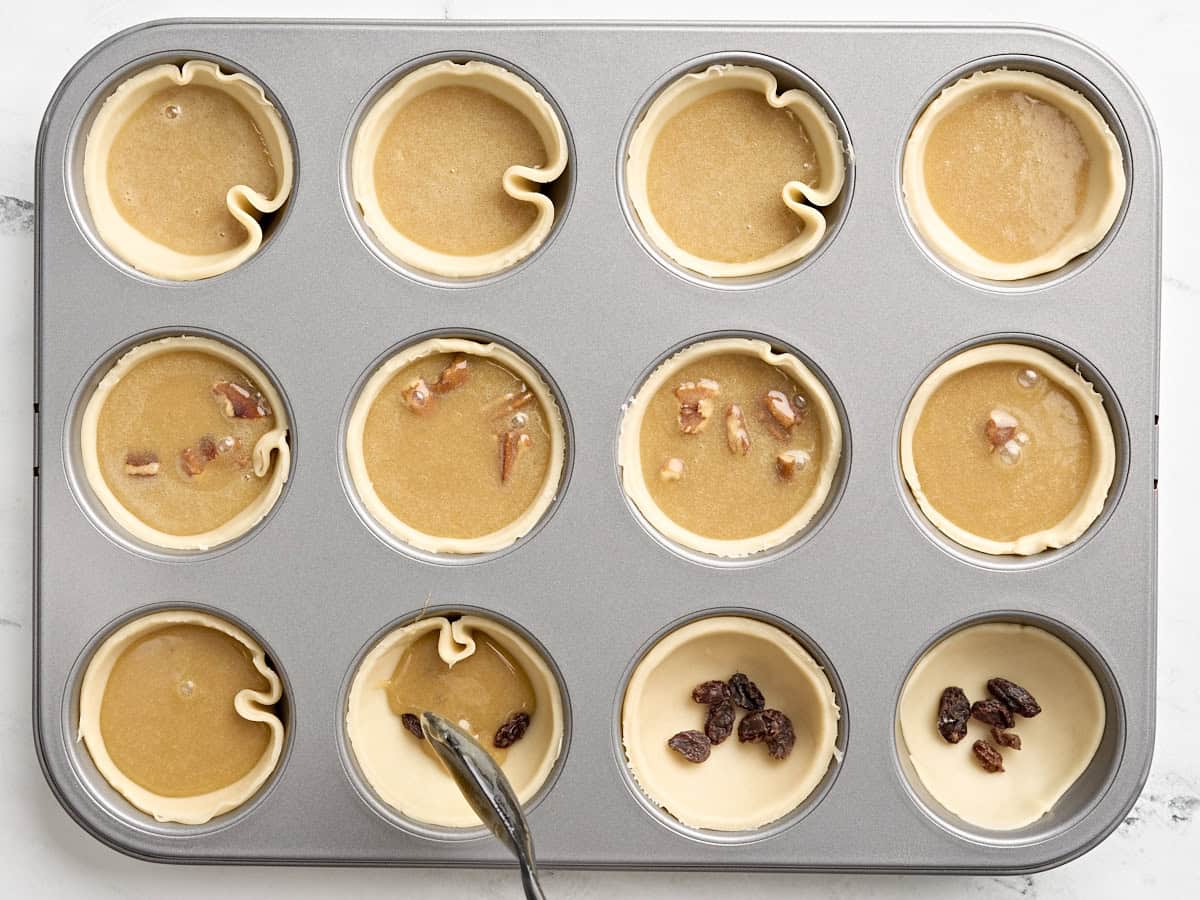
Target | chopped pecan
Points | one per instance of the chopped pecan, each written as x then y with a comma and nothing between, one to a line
194,459
954,709
417,397
1014,697
413,724
1000,428
781,409
511,444
789,462
992,712
453,375
989,757
735,430
238,403
672,469
696,404
1009,739
143,464
694,746
508,404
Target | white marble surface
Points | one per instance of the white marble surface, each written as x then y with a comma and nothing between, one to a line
43,853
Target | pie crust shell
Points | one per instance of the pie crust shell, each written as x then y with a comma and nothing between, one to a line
802,199
1056,746
658,702
1106,180
245,204
254,706
519,182
432,543
274,441
629,456
1104,454
392,760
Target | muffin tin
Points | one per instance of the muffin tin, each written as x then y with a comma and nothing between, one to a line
869,586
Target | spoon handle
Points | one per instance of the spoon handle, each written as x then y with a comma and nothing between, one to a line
529,881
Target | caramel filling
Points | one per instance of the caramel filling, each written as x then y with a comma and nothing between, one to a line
722,492
440,165
716,175
173,162
1022,475
1007,173
478,693
167,717
438,465
163,409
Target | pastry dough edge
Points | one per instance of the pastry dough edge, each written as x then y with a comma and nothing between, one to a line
1090,504
142,252
274,441
1107,176
629,447
251,705
361,479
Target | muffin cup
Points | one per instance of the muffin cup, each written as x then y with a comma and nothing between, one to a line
245,204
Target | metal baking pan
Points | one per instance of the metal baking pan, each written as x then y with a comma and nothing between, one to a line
869,589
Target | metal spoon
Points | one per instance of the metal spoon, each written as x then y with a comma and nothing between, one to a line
488,792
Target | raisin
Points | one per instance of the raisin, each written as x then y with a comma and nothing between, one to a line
753,728
711,692
1006,738
771,726
719,724
693,746
746,693
413,724
1014,697
989,757
511,731
780,744
953,712
992,712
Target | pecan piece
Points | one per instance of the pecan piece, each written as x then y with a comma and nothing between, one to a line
413,724
143,464
508,404
238,403
735,430
711,692
194,459
694,746
418,397
745,692
1009,739
696,404
512,730
789,462
953,712
672,469
718,725
453,375
1000,428
1014,697
511,444
781,409
992,712
989,757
